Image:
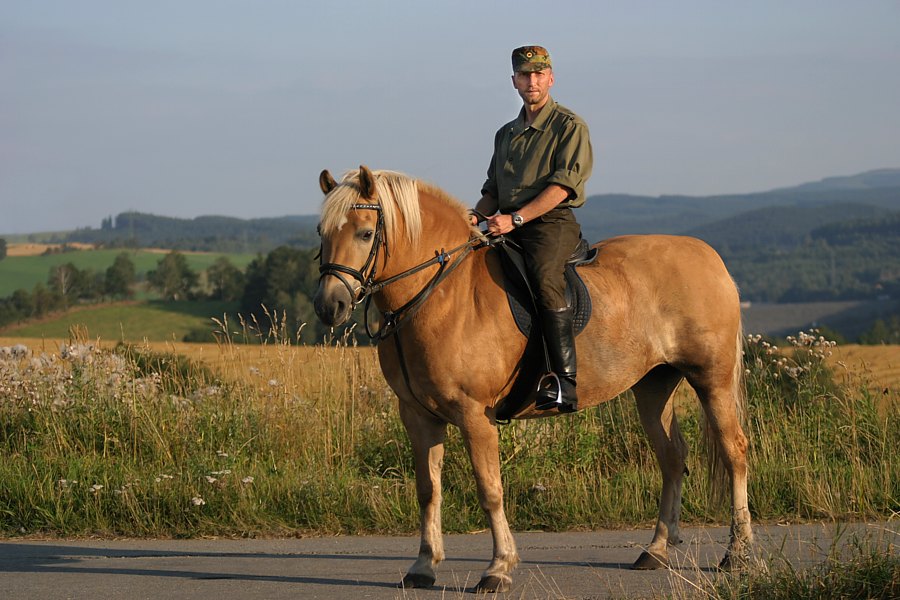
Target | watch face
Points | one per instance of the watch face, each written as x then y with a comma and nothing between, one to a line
518,220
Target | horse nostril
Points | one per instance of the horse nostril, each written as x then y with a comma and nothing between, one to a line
340,308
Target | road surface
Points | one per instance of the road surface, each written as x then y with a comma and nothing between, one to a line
554,565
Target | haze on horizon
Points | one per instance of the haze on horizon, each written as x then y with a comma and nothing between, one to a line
233,108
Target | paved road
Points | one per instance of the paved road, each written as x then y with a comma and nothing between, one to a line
554,565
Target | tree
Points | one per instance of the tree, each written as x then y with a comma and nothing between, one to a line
120,277
173,278
883,332
226,280
2,248
283,282
44,300
71,283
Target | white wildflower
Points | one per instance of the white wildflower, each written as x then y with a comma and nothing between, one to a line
198,501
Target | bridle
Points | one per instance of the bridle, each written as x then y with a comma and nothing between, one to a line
366,281
393,319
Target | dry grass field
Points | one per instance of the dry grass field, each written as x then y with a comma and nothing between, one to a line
34,249
877,367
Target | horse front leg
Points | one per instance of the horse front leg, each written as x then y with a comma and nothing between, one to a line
426,434
482,442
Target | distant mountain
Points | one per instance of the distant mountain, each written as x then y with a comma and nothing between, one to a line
781,217
880,178
609,215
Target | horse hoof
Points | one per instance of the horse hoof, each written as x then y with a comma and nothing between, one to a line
733,563
491,584
417,580
647,562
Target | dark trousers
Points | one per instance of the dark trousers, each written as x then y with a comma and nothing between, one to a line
547,243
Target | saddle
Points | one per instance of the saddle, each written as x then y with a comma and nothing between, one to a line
521,298
524,311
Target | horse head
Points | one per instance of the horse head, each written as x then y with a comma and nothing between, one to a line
353,235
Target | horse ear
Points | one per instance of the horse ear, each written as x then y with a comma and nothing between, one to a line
326,182
366,182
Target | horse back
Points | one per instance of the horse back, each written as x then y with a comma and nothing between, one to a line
661,299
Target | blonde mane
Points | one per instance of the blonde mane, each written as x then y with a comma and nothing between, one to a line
397,194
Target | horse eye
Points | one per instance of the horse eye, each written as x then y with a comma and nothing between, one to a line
367,235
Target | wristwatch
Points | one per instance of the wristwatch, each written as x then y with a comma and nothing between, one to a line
518,220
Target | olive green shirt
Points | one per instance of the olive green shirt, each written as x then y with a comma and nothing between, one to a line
556,148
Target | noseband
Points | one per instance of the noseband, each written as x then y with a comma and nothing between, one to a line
366,281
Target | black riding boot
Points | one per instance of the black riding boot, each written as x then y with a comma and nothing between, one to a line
559,335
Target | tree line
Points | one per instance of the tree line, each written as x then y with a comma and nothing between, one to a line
281,283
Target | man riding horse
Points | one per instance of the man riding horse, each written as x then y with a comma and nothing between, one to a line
536,176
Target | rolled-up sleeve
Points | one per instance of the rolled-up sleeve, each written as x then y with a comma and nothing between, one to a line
573,160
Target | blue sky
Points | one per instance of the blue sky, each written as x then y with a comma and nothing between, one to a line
229,107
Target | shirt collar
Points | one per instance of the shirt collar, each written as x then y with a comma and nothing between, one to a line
540,121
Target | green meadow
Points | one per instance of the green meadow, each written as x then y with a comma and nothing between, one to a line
24,272
154,321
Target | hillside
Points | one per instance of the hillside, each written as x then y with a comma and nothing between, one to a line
205,233
779,226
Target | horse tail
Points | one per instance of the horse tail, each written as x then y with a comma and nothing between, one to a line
719,481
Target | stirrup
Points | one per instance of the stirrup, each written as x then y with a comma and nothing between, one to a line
544,403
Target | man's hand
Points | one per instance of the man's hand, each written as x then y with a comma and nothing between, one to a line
500,224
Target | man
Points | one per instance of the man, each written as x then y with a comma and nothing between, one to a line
541,162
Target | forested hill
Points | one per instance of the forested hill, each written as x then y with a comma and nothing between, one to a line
781,217
860,232
780,227
209,233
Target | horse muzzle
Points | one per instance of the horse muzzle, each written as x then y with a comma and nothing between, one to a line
333,303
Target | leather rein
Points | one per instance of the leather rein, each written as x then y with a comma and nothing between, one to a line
367,286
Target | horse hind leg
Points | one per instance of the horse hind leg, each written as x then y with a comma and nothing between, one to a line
654,396
426,436
722,400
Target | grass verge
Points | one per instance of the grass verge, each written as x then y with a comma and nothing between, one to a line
281,439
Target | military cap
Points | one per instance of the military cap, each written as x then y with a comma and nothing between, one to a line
528,59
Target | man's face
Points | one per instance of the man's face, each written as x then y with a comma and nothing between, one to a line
533,88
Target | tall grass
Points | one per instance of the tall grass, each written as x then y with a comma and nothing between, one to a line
276,439
861,569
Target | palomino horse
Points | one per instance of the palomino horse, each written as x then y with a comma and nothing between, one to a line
665,309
